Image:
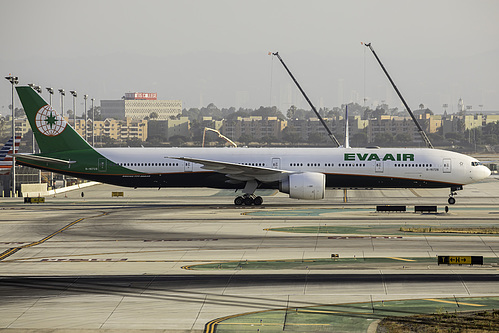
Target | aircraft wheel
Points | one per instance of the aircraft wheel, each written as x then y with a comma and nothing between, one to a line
248,201
451,201
258,201
238,201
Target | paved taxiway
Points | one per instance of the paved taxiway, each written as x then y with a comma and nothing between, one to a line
96,262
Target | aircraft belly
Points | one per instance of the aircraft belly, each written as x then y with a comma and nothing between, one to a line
358,181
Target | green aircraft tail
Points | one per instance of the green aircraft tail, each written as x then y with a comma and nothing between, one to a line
52,132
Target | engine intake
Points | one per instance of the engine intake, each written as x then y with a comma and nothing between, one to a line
307,185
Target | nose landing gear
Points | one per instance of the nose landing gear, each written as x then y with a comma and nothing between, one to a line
453,192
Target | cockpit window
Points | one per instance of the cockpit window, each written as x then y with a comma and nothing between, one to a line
476,163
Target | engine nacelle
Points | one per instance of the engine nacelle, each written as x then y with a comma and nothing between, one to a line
307,185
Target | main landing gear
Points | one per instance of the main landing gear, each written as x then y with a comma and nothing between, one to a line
248,200
453,192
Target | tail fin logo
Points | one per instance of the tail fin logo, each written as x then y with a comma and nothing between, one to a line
48,122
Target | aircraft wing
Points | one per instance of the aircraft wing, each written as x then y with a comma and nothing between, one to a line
38,158
238,171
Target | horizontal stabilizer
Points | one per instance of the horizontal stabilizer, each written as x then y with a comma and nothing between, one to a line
38,158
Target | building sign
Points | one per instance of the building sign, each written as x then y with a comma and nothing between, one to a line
147,96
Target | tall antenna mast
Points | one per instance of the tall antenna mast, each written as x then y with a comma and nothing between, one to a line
329,133
347,139
420,129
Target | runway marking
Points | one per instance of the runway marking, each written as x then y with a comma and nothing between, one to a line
324,311
13,250
275,324
400,259
364,237
451,302
182,240
415,193
83,260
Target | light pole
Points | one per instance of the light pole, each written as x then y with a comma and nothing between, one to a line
85,115
39,90
13,81
63,93
93,122
33,138
73,92
51,92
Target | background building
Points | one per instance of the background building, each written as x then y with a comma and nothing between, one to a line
140,106
254,126
165,129
116,129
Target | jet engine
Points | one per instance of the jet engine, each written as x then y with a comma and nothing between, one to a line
306,185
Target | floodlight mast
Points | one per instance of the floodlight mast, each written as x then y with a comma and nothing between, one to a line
426,140
329,133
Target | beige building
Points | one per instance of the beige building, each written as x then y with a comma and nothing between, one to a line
140,106
120,130
306,127
473,121
257,127
165,129
179,127
22,126
491,118
211,123
400,125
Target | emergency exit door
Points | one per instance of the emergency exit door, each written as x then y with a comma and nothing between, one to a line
379,166
276,163
446,165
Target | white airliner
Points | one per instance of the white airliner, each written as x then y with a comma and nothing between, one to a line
303,173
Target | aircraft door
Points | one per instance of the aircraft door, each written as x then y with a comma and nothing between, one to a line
446,165
102,165
379,166
276,163
188,166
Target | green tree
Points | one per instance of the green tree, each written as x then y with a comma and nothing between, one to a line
134,142
95,113
315,138
291,112
454,136
268,139
177,140
289,134
246,139
358,139
268,112
402,138
383,138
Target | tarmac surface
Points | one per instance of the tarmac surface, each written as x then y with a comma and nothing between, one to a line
135,263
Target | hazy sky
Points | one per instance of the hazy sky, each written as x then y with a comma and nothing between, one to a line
217,51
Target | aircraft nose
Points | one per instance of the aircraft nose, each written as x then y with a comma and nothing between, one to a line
486,171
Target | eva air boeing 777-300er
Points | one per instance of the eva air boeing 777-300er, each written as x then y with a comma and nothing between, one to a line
303,173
